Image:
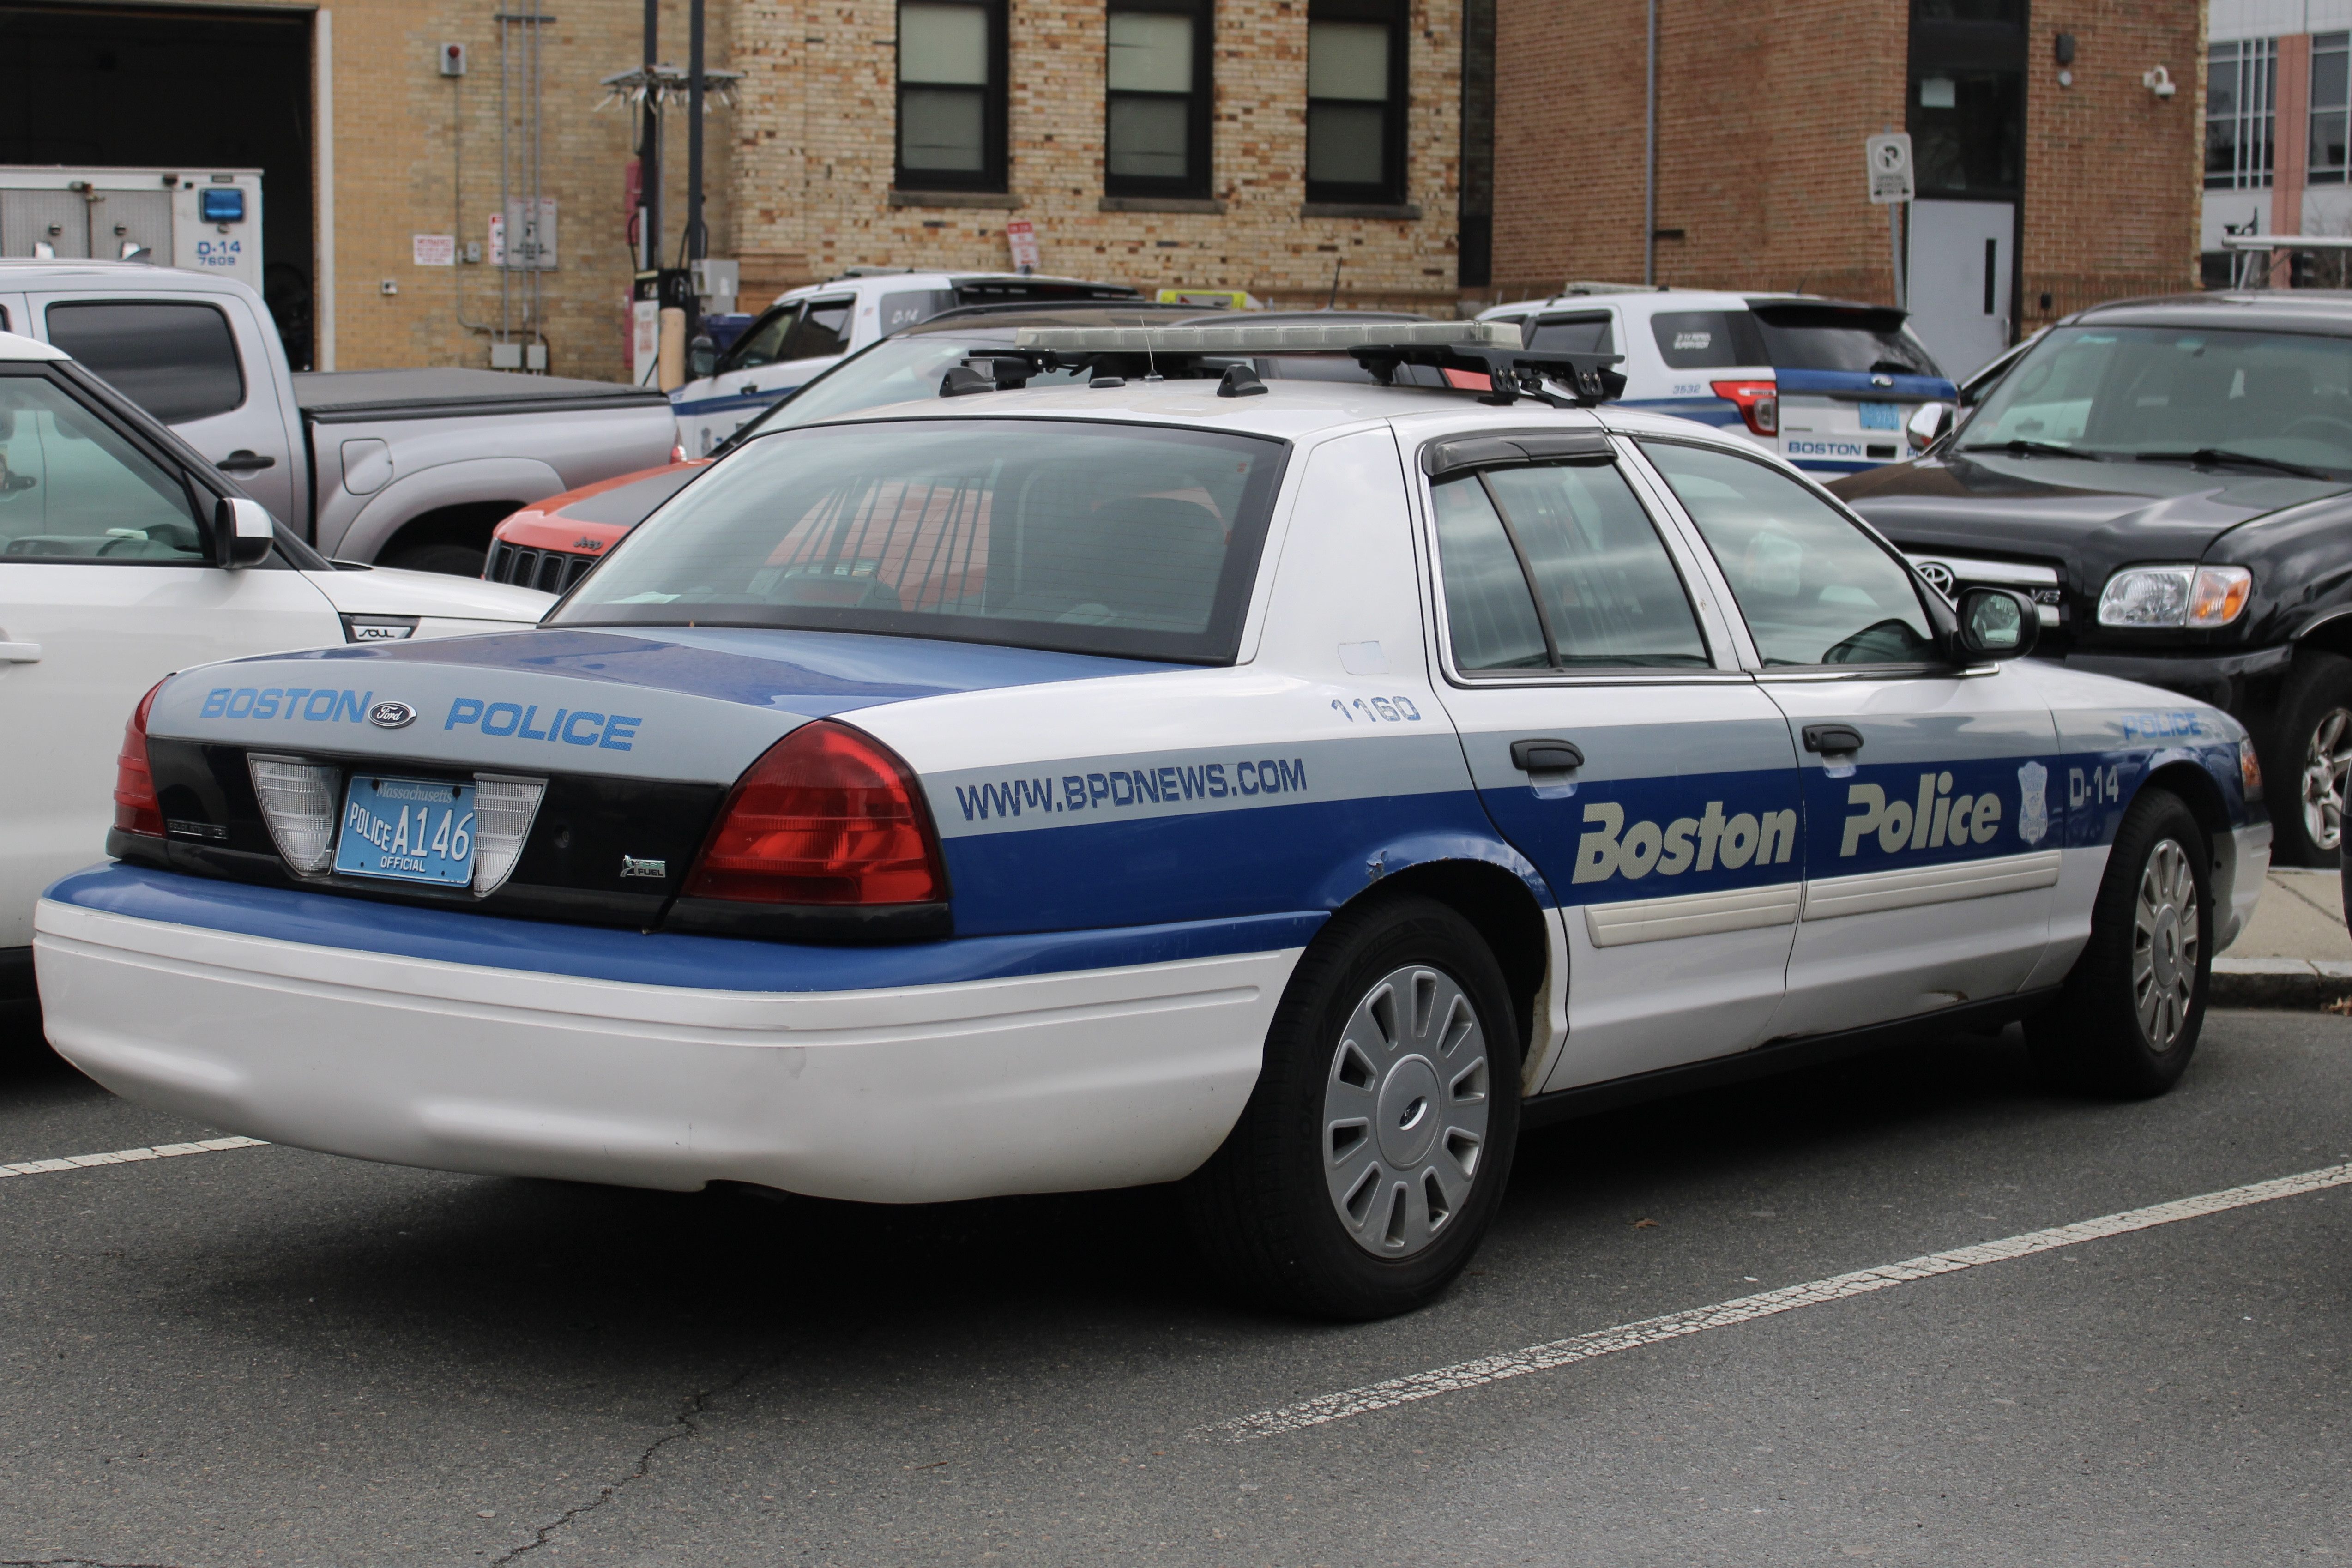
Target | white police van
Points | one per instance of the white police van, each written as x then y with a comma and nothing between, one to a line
811,329
1289,788
1829,384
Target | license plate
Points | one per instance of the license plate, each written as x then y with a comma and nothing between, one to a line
411,830
1882,417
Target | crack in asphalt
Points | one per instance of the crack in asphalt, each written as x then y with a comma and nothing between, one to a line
682,1422
74,1563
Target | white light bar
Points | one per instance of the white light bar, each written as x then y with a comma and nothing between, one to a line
503,810
297,802
1294,337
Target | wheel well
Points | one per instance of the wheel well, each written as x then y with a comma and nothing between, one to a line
1499,905
2195,786
2329,637
467,523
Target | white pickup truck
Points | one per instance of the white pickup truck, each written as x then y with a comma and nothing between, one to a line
403,467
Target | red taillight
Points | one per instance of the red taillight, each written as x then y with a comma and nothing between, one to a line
136,809
678,451
827,816
1759,402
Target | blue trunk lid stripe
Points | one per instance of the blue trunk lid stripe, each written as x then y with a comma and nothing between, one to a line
813,673
657,958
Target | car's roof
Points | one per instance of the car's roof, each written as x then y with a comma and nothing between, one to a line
17,348
115,275
883,281
2321,310
1673,300
1005,317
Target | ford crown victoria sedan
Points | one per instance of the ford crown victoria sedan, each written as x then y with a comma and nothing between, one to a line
1293,795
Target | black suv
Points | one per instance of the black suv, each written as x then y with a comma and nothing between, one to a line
2170,480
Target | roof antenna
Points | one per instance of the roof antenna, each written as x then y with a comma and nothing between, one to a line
1150,363
1333,303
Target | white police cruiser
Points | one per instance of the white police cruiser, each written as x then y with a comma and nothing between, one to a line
1829,384
1292,789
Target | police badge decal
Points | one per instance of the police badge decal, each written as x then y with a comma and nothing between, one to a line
2033,809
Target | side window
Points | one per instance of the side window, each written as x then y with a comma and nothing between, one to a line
1707,340
903,310
1814,588
825,329
1588,334
762,341
178,361
73,490
1558,566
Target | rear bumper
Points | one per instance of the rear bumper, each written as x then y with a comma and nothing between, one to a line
1042,1082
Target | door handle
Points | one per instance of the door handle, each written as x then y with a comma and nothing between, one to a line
20,653
244,461
1832,738
1546,756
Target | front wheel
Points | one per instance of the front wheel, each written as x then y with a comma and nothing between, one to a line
2127,1020
1375,1147
2311,746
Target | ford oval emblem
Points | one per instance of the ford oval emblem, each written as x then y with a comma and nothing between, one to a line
391,715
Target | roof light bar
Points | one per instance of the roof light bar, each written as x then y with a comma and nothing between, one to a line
1293,337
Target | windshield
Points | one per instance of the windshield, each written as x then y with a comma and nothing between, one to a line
1841,337
1085,538
2122,391
897,370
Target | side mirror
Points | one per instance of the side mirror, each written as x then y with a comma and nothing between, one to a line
245,531
1997,623
1927,424
701,359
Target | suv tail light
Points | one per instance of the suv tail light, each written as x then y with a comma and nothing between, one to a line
136,809
1759,403
827,816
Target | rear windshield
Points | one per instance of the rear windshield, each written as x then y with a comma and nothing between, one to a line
1132,539
1841,337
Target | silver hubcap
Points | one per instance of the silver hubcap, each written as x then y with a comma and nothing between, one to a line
2325,764
2164,944
1404,1111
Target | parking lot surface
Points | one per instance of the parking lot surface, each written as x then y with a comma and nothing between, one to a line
266,1355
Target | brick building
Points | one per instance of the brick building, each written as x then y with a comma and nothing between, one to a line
2053,170
1278,146
2278,98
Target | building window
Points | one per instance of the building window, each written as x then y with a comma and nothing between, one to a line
951,95
1355,100
2330,55
1156,97
2238,101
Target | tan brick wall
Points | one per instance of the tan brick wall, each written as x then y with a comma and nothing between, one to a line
1763,111
814,156
400,130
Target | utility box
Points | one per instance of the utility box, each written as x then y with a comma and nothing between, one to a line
208,220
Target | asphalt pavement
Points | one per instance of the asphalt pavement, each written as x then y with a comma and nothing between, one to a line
264,1355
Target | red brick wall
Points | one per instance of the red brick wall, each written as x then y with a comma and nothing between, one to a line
1762,115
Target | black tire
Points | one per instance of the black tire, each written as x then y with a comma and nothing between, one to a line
449,560
1267,1210
2127,1020
2315,716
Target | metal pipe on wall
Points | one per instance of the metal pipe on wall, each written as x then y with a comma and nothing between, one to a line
1649,160
322,351
697,238
649,154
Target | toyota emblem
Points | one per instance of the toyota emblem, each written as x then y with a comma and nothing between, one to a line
391,715
1940,577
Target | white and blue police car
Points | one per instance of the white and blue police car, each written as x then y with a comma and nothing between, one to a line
1290,789
1830,384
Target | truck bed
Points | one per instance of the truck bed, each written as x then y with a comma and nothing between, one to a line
341,397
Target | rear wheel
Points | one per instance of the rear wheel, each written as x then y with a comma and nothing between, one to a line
1374,1149
2127,1020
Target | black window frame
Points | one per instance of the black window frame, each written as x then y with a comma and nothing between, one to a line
994,174
95,362
1200,102
2329,120
1390,189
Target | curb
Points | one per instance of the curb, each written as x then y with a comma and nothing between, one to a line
2279,982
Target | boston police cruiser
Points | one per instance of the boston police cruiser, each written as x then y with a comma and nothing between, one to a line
1290,790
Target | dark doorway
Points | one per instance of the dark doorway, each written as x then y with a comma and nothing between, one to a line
178,88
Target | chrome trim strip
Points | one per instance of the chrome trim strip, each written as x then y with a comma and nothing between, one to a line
1692,914
1872,892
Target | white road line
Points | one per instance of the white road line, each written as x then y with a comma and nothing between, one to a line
127,1156
1723,1314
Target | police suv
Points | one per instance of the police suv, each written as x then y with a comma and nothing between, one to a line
1292,788
1829,384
